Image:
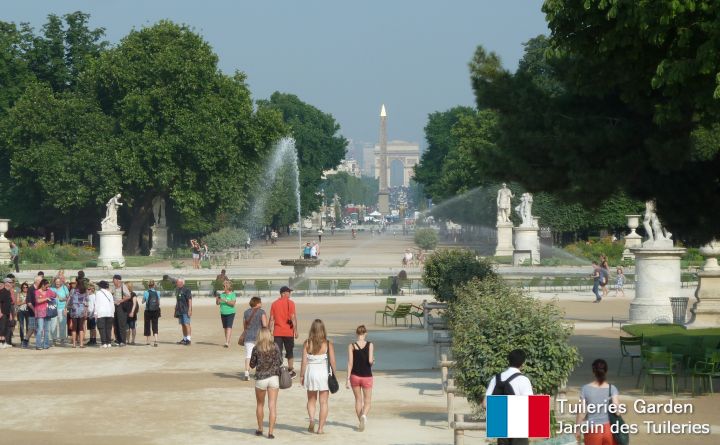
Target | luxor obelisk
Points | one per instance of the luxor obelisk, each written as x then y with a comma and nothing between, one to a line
383,194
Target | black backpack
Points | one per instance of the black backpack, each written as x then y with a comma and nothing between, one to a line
504,388
153,301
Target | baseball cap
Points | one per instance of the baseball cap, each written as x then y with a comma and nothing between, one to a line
285,289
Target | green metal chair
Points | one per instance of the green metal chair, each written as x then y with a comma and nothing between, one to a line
262,286
382,285
706,371
238,286
417,312
343,285
401,312
659,364
323,286
302,286
406,286
630,347
390,304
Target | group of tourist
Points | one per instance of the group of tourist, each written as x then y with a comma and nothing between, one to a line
60,311
601,278
311,250
265,337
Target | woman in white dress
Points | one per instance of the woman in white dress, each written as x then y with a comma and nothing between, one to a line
317,350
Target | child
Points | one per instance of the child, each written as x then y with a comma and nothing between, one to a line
619,281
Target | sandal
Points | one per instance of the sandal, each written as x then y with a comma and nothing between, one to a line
270,436
258,433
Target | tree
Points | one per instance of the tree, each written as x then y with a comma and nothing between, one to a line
350,189
152,116
622,95
318,145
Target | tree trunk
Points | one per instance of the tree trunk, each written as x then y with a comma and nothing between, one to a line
138,220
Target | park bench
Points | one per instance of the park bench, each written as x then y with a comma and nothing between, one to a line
323,286
343,285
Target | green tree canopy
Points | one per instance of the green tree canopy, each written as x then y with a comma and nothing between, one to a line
622,95
351,190
317,141
151,116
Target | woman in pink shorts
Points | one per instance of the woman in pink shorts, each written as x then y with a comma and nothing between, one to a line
361,357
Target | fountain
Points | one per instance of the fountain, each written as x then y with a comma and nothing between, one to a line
285,154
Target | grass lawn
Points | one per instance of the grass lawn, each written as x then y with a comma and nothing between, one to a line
673,335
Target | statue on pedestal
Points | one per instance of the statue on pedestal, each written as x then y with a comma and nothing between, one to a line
524,210
158,204
110,222
652,225
504,196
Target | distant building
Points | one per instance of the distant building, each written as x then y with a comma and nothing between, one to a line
349,166
368,160
402,157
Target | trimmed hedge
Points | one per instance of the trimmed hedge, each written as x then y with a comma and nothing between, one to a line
446,269
426,239
491,319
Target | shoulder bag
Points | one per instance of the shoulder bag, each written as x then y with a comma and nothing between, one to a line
333,385
241,340
285,378
616,424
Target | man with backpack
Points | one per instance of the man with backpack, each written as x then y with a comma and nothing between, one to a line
151,300
511,382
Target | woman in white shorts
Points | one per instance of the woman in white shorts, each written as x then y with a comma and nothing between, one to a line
254,319
266,360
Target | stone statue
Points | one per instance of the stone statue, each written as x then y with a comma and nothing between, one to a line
652,225
504,196
110,222
158,204
524,210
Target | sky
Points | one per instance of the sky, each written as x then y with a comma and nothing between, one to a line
346,58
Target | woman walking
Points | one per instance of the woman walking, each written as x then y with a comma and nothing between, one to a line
361,357
317,351
254,319
91,320
594,397
78,304
151,300
226,300
266,360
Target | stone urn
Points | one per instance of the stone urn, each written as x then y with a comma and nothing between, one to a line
633,223
3,227
711,251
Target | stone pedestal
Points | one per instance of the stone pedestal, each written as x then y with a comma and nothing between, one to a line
159,239
4,243
632,239
706,311
526,238
384,203
657,278
111,248
504,239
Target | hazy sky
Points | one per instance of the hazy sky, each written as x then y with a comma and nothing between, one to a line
346,58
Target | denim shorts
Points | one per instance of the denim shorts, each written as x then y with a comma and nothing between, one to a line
184,319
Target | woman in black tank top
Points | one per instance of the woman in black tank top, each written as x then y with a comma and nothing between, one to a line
361,357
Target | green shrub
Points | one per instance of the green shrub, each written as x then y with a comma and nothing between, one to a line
591,250
426,239
490,320
226,238
42,253
446,269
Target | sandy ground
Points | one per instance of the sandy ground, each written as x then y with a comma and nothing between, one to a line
176,394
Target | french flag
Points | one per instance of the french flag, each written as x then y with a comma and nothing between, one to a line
518,416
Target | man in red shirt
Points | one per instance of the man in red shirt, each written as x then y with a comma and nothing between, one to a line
283,323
